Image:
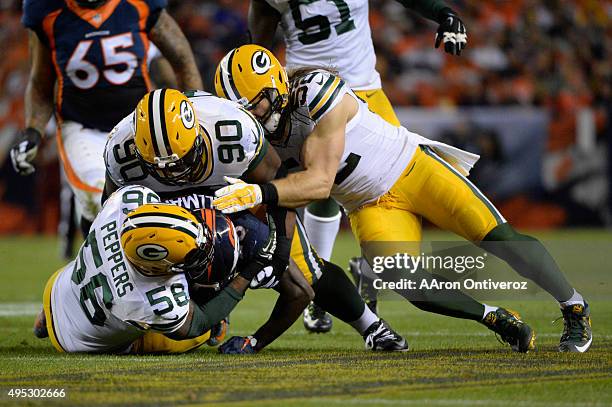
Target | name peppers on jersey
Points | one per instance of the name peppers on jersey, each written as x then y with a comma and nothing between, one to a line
99,302
233,139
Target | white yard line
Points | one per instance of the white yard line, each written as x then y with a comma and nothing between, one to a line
19,309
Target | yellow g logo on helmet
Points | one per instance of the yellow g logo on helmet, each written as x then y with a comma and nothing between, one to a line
248,70
168,140
157,238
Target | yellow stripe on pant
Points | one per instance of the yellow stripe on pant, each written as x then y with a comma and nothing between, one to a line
49,312
431,188
379,103
153,342
304,255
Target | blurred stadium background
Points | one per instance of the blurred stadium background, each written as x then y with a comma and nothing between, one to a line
531,94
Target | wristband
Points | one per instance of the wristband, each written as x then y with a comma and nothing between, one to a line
269,194
32,135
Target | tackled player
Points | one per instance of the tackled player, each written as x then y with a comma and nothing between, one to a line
127,290
177,144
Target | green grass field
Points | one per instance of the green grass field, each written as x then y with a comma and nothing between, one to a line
451,362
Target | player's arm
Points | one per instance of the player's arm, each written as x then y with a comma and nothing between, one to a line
201,318
168,37
295,295
321,155
38,105
269,168
451,32
263,20
39,90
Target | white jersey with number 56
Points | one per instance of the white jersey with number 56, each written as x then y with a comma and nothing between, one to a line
330,33
99,302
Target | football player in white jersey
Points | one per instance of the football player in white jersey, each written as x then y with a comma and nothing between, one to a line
386,178
337,34
178,144
127,292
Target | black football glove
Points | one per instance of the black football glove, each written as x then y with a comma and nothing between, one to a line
24,152
451,31
270,276
262,261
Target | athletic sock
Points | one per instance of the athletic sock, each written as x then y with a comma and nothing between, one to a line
322,225
528,257
336,294
487,309
576,298
452,303
365,321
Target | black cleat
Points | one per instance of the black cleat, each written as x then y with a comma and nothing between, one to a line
512,330
362,274
577,335
316,320
380,336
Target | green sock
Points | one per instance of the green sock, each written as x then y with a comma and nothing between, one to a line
452,303
336,294
529,258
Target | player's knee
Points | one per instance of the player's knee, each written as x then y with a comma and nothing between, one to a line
506,233
326,208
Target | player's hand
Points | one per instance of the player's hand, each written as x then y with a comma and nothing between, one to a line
24,152
452,32
238,345
238,196
262,259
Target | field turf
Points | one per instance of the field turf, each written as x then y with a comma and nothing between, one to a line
451,362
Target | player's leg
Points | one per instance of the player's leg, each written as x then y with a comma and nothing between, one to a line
359,268
156,343
461,208
81,151
322,223
386,228
335,293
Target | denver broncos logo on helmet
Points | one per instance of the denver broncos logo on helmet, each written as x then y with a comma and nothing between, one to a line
261,62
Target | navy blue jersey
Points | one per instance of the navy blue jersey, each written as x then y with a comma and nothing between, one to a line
99,55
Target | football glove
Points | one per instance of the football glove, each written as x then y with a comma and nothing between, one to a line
452,32
263,257
238,196
238,345
24,152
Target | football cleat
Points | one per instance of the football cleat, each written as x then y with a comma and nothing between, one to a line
512,330
380,336
40,326
364,282
577,335
316,319
218,332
